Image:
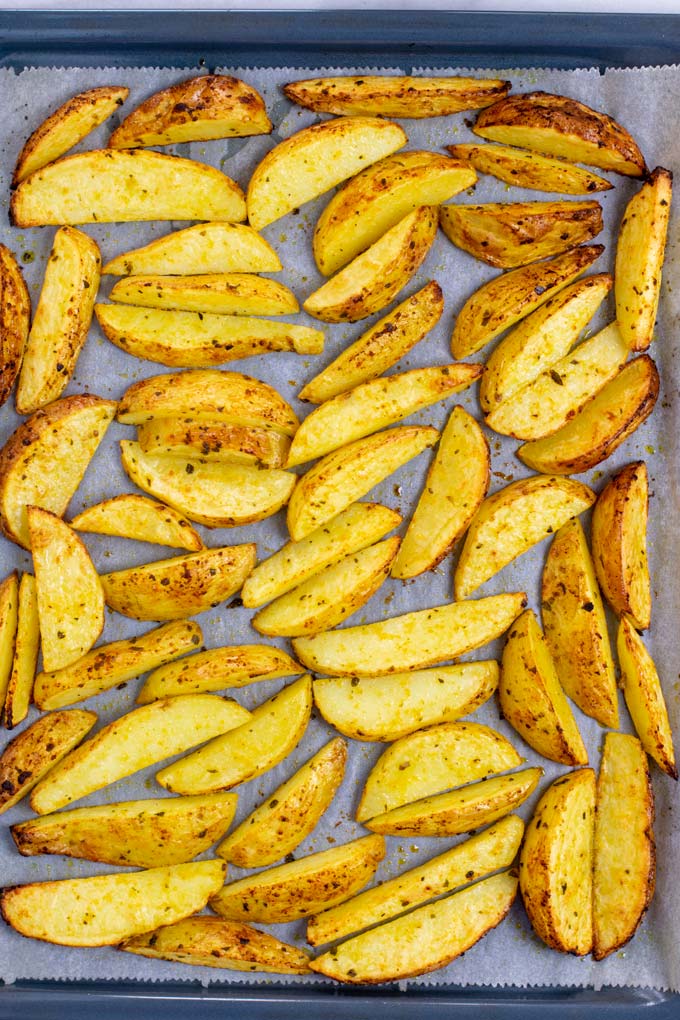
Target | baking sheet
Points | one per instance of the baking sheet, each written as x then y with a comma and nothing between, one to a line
510,955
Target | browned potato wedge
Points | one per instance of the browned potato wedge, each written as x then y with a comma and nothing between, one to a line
506,299
529,170
556,862
644,698
221,293
181,586
209,106
15,320
511,234
625,856
9,618
562,127
145,520
314,160
214,441
25,659
619,537
601,426
290,813
302,887
531,698
101,911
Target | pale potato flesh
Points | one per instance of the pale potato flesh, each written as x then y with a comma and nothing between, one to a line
214,441
645,698
9,617
26,644
222,293
139,518
15,320
529,169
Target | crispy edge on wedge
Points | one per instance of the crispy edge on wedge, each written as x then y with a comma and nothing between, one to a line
15,320
523,169
139,518
25,659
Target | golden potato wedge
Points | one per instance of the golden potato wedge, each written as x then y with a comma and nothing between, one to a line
562,127
206,941
388,707
624,863
432,760
575,626
109,186
556,863
31,755
181,586
25,659
529,170
141,833
221,293
374,405
374,278
506,299
457,482
284,819
69,592
9,618
218,669
601,426
379,347
145,520
44,460
531,698
423,940
331,596
379,197
511,234
15,320
314,160
67,126
411,641
101,911
114,664
644,697
301,887
209,106
137,739
61,321
345,475
274,728
513,520
619,538
468,861
541,339
214,441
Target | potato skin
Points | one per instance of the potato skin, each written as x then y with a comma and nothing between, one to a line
524,169
15,319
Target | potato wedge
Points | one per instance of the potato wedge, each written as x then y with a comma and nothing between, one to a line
379,197
374,278
15,320
61,321
218,669
214,441
134,741
214,493
345,475
432,760
206,941
301,887
511,234
379,347
67,126
411,641
26,645
9,618
209,106
31,755
114,664
145,520
313,161
556,862
624,863
331,596
388,707
619,539
108,186
529,170
101,911
221,293
457,482
44,460
644,698
575,626
290,813
562,127
601,426
69,592
531,698
274,728
373,405
141,833
423,940
181,586
639,258
513,520
506,299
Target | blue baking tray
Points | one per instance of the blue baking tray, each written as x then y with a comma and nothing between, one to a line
398,39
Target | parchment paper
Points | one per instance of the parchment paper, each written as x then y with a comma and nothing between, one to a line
644,101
